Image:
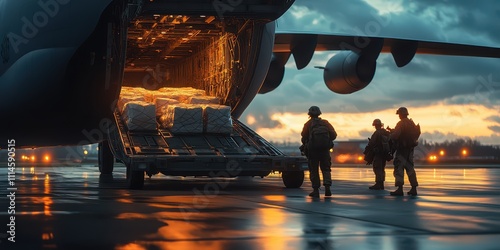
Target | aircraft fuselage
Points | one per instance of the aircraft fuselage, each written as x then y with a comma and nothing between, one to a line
62,62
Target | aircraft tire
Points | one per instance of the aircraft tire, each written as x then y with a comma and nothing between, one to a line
106,158
135,179
292,179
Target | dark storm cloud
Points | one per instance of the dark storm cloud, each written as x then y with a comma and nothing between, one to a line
433,66
477,18
431,78
485,98
495,129
493,119
425,81
339,15
426,78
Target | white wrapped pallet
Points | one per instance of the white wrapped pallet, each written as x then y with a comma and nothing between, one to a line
179,96
139,115
135,91
162,104
218,119
183,118
124,99
204,100
184,90
149,96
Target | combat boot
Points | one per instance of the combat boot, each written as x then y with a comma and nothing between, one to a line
377,186
315,193
328,192
413,191
398,192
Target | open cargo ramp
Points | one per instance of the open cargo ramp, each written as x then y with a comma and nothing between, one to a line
240,153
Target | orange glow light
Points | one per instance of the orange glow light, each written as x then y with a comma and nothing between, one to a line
343,158
47,158
47,236
360,158
432,158
441,153
33,158
464,152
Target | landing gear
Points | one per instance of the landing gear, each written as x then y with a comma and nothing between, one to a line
293,179
135,179
106,158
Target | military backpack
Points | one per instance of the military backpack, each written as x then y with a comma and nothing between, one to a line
319,135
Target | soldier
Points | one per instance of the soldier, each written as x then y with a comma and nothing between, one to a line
403,159
317,139
380,145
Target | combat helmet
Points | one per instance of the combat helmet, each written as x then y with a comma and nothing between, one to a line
314,111
402,111
377,122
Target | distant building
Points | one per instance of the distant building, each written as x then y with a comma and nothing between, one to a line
343,151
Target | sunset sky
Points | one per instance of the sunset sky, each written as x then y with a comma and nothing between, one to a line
451,97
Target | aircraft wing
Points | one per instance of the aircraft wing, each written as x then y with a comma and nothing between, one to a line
303,45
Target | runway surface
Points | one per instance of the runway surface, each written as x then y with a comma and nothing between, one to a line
73,207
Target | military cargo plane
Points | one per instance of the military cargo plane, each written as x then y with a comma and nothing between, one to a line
63,64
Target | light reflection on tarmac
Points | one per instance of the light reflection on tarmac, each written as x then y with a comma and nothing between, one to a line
75,208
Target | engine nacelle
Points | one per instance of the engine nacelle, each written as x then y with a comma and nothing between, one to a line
348,72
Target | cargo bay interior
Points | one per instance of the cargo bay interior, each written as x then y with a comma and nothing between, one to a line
198,51
183,74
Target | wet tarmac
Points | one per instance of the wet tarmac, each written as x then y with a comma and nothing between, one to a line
73,207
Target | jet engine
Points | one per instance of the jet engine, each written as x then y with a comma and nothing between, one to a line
347,72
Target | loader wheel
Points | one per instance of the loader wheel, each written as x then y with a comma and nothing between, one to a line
293,179
135,179
106,158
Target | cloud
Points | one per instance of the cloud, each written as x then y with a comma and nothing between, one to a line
495,119
489,140
449,83
365,133
495,129
437,136
457,17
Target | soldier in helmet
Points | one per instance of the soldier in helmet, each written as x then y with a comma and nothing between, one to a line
317,139
379,144
403,159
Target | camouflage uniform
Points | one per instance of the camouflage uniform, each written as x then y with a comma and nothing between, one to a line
318,157
379,160
403,159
